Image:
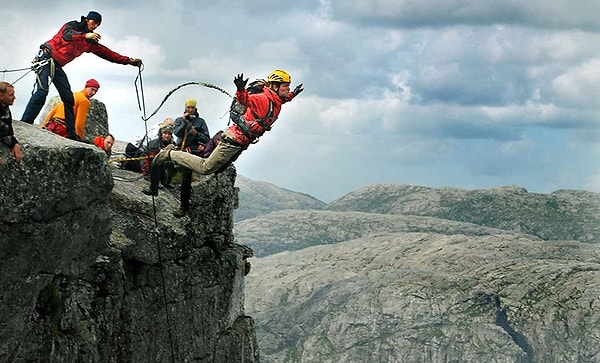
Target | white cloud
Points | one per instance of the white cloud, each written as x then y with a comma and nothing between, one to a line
579,85
454,93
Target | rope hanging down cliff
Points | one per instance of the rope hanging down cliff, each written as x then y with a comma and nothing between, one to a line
142,106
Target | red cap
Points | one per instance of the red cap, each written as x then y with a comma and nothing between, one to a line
92,83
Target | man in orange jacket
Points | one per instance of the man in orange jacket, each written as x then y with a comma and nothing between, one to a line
55,120
262,110
72,40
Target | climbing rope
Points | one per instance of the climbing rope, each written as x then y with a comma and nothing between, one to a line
35,67
142,107
139,89
126,158
204,84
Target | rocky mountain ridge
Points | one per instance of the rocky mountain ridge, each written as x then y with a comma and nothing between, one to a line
397,273
258,198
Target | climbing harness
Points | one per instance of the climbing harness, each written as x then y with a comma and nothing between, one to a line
237,111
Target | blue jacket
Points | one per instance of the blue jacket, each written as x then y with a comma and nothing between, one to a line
182,127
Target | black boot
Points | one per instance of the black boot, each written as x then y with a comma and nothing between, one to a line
155,172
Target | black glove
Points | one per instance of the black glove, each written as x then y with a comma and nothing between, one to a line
298,89
240,82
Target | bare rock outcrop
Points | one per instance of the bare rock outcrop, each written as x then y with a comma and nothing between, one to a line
396,273
92,270
429,297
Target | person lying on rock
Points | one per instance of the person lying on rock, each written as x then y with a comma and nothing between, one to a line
105,143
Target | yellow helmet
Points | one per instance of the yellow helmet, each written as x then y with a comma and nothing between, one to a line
279,75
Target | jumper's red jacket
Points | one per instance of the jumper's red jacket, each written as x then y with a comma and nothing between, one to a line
69,43
258,107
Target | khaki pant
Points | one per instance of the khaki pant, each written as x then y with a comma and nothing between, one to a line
218,160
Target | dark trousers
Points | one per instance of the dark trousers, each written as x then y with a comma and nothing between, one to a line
156,173
186,188
38,98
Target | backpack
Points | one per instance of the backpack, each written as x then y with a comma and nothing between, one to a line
237,110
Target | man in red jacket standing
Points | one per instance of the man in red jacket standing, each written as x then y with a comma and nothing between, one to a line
72,40
262,110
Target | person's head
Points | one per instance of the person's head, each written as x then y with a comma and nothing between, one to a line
93,20
109,140
91,87
7,93
279,82
190,105
166,133
167,122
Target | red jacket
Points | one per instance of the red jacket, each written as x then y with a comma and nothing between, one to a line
258,107
69,43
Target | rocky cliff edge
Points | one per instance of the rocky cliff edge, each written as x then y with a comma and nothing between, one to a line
92,270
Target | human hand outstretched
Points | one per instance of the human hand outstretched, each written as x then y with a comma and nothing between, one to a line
298,89
240,82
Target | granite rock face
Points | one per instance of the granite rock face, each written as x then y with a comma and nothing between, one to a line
92,270
397,273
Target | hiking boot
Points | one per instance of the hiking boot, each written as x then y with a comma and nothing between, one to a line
150,192
180,213
164,155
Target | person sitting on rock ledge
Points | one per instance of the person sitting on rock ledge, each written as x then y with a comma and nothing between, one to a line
187,175
55,120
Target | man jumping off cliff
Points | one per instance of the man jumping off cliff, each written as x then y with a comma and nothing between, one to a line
261,112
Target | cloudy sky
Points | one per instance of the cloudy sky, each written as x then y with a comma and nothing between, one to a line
459,93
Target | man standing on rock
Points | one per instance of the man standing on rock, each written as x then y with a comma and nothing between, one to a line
55,120
7,136
72,40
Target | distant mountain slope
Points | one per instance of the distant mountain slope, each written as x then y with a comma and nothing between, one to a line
396,273
428,297
291,230
564,214
257,198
